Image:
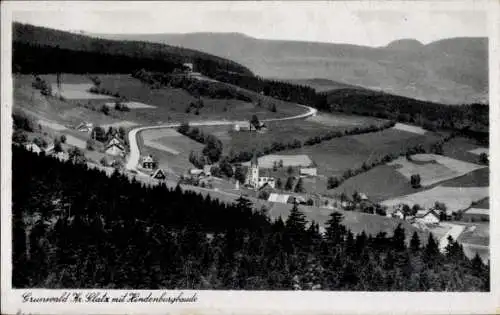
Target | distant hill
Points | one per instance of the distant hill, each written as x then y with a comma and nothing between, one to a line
405,44
452,71
44,50
322,85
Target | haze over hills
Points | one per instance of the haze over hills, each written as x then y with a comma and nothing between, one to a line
452,71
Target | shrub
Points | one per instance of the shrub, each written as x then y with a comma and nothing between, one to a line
415,181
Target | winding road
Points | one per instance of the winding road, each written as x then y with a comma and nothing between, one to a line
133,157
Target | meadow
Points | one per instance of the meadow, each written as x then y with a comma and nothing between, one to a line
176,158
433,168
335,156
287,131
455,198
171,103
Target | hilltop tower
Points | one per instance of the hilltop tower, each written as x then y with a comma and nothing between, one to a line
253,172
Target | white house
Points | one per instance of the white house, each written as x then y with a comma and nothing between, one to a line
188,67
398,213
206,170
85,127
159,174
281,198
33,147
115,147
429,217
148,162
308,171
266,180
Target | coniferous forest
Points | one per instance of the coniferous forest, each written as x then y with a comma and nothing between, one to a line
77,228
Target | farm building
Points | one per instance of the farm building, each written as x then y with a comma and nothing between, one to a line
33,147
197,172
281,198
247,126
308,171
398,213
476,214
206,170
115,147
159,174
85,127
49,148
148,162
428,217
266,181
363,196
188,67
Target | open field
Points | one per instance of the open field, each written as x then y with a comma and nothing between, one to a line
461,148
286,131
483,251
455,198
78,91
479,151
337,155
410,128
433,168
152,138
51,125
267,161
132,105
477,233
177,162
62,112
380,183
342,120
123,123
76,142
172,103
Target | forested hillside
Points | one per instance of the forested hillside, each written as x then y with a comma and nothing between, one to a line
77,228
44,50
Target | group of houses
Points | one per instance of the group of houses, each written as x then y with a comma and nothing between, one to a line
429,216
149,163
48,150
247,126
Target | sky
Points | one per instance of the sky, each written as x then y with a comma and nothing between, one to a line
332,22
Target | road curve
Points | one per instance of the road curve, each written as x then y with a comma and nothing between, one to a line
134,155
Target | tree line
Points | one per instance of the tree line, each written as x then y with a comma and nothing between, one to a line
193,86
43,50
77,228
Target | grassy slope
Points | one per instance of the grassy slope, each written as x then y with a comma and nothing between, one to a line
173,103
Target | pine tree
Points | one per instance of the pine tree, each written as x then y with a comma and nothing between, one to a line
335,231
415,242
398,238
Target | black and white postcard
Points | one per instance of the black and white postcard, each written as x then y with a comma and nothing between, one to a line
250,157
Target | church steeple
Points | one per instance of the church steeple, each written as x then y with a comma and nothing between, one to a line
255,160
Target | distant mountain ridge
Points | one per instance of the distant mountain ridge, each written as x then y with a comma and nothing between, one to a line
33,44
451,71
